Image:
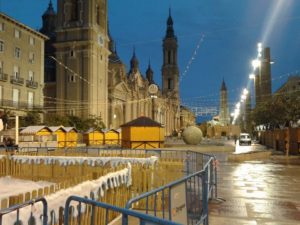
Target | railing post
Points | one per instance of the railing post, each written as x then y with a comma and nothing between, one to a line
216,179
205,196
187,162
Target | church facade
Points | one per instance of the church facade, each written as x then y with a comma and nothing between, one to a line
84,75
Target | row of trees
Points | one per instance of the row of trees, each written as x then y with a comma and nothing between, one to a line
283,109
34,118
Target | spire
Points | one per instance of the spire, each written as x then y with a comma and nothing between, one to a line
134,63
149,74
50,10
170,29
223,88
111,40
113,57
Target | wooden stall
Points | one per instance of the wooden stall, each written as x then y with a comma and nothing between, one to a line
60,133
71,137
37,136
93,137
142,133
112,137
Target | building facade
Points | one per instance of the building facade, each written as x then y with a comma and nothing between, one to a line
85,76
291,86
21,67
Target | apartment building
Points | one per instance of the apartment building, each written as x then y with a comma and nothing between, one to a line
21,66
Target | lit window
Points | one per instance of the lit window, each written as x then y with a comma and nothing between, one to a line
17,33
1,46
17,52
31,57
30,99
31,41
16,72
1,26
16,94
30,76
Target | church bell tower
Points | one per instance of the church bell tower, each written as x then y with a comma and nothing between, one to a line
82,58
170,71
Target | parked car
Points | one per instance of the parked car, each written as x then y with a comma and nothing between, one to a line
245,138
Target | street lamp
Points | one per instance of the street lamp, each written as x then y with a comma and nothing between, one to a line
256,63
252,76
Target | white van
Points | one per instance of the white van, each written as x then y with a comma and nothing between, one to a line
245,139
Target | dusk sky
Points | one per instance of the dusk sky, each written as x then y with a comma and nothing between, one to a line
230,30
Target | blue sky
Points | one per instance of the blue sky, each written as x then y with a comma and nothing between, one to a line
231,30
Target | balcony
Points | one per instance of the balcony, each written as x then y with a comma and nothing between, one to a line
31,84
3,77
16,80
19,105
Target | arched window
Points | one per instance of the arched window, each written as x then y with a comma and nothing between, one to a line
97,14
74,10
169,57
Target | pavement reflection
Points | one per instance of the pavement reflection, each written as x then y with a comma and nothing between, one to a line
257,192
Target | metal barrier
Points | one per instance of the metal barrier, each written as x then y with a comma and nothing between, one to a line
167,201
25,204
143,218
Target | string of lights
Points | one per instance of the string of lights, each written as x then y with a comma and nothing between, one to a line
193,57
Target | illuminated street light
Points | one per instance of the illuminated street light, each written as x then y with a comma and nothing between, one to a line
256,63
245,92
252,76
259,45
259,48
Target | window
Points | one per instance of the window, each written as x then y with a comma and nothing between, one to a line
30,99
16,72
1,26
72,78
1,93
31,57
31,40
72,53
74,10
17,33
16,94
71,112
169,57
1,67
30,76
97,14
170,83
1,46
17,52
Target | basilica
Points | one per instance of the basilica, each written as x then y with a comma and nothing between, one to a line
84,75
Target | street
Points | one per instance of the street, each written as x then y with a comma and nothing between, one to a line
257,192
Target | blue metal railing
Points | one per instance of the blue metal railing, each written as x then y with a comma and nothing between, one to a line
143,218
198,188
25,204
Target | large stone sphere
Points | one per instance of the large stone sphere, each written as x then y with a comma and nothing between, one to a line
192,135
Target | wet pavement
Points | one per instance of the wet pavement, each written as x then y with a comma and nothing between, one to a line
257,192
